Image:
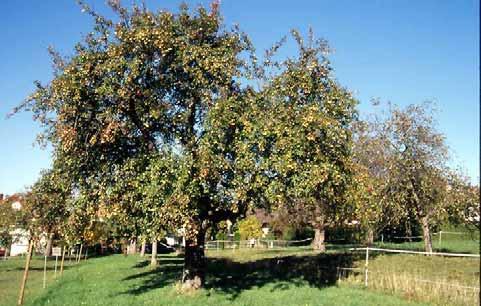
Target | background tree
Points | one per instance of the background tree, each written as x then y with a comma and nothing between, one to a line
419,174
48,200
370,198
8,221
463,197
142,190
307,136
249,228
290,225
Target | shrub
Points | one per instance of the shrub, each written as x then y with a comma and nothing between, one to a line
249,228
289,233
221,236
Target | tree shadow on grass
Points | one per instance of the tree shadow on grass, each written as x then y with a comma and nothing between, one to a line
232,278
447,250
142,264
284,272
162,260
167,272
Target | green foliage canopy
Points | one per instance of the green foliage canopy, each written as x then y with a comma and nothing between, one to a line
249,228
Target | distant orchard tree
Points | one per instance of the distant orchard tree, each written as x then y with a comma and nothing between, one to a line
307,140
369,199
249,228
419,173
464,199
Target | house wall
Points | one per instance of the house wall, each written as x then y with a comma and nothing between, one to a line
20,242
171,241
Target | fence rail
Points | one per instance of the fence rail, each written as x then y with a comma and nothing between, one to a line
438,234
255,243
415,252
445,284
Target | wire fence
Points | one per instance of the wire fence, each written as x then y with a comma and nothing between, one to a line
255,243
439,277
439,236
432,276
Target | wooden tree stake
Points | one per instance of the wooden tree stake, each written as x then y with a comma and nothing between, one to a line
62,261
25,273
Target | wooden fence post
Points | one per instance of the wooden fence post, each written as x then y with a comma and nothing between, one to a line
56,261
45,270
440,234
366,270
80,252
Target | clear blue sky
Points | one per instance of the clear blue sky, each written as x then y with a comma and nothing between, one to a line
401,51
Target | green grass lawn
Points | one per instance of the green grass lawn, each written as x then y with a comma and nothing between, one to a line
438,280
468,246
463,241
11,272
293,276
246,277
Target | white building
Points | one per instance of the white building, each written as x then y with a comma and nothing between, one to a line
20,242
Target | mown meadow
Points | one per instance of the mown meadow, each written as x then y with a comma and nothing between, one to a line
288,276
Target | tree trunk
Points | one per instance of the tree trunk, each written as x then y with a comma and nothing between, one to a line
409,231
125,248
428,245
153,259
194,262
25,273
101,248
48,248
132,248
318,242
142,249
370,236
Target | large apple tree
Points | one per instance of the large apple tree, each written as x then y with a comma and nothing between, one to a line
162,99
134,85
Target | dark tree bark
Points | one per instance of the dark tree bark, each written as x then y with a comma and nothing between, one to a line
409,231
428,245
125,248
48,248
153,259
194,262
